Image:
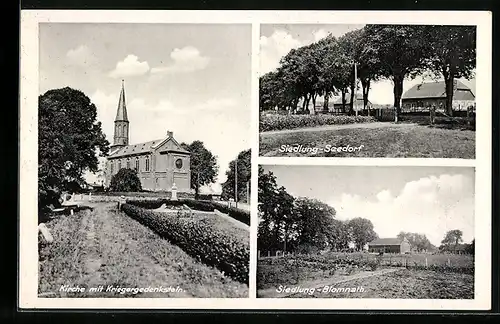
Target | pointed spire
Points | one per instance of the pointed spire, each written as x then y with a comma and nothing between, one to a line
121,113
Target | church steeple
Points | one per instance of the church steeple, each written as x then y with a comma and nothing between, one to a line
121,121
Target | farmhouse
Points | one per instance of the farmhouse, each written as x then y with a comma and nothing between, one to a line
389,245
425,95
159,164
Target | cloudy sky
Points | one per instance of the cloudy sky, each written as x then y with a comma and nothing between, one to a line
191,79
277,40
427,200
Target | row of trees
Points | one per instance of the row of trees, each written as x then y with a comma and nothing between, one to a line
394,52
418,242
288,223
453,242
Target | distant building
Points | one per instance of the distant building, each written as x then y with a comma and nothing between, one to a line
159,164
422,96
389,245
337,104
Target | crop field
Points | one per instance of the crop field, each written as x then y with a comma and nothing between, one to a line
453,274
104,247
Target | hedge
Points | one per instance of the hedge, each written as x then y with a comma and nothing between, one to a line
200,240
238,214
279,122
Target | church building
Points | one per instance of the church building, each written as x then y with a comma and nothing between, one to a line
159,164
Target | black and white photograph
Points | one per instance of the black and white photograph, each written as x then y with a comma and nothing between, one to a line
140,192
356,90
401,232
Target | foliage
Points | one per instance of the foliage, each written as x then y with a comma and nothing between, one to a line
244,176
361,232
156,203
236,213
125,180
279,122
69,136
418,242
209,244
204,166
451,240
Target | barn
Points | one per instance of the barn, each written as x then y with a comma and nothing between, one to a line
422,96
389,245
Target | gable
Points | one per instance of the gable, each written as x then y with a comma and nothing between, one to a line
170,145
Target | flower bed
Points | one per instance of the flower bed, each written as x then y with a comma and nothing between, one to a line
280,122
200,240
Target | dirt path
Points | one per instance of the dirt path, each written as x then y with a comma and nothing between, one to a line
320,283
106,248
337,127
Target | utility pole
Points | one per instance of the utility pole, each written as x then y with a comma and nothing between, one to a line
236,183
248,192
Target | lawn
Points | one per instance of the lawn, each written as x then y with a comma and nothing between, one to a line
414,141
104,247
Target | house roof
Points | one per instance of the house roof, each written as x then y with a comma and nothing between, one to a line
338,100
432,90
121,112
386,241
142,148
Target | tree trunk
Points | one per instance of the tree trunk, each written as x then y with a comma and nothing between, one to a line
398,92
313,110
343,100
304,103
326,101
307,102
365,83
449,81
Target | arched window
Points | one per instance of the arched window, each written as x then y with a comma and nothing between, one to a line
111,167
137,164
147,163
124,133
118,130
119,165
128,163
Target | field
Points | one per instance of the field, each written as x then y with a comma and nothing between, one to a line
401,140
389,276
105,247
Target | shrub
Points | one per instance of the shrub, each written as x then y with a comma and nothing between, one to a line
238,214
200,240
279,122
125,180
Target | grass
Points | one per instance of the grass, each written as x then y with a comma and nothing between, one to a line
105,247
404,284
411,141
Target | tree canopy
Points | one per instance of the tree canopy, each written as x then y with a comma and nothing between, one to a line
204,168
125,180
70,139
244,176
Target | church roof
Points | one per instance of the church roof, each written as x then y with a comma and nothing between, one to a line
142,148
432,90
121,112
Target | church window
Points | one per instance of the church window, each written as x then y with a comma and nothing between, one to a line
178,163
111,167
128,163
119,165
147,163
124,133
136,164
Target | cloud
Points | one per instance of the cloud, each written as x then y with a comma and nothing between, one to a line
319,34
432,206
129,67
81,56
274,47
184,60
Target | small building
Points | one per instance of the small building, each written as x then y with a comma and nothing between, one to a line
389,245
422,96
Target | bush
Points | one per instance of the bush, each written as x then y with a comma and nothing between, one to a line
125,180
279,122
200,240
238,214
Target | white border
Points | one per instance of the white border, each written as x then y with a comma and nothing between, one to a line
28,277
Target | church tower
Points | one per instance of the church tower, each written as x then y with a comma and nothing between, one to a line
120,138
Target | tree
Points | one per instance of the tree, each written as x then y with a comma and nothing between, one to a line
125,180
402,51
452,239
418,242
361,232
204,166
244,176
316,222
453,55
69,140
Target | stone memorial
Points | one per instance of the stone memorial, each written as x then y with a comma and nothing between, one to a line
174,192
